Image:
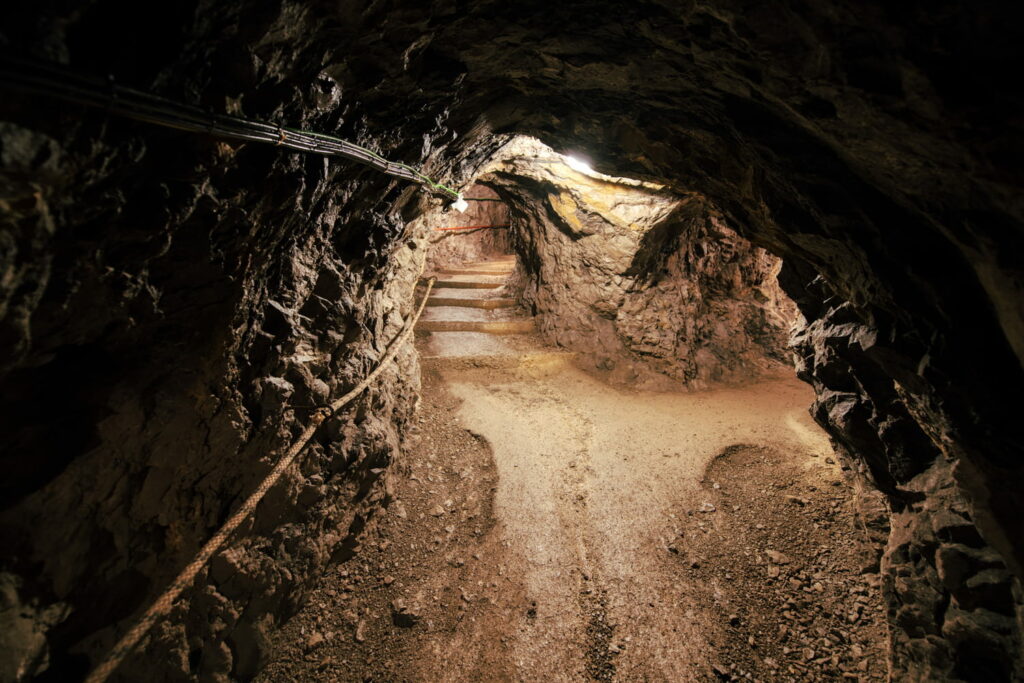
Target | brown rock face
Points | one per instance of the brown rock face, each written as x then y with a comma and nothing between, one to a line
649,285
172,307
173,310
448,248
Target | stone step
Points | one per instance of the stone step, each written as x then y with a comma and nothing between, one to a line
462,313
471,303
516,360
448,344
468,271
465,284
508,259
463,294
490,327
459,277
479,344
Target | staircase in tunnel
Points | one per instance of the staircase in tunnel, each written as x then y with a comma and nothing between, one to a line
471,315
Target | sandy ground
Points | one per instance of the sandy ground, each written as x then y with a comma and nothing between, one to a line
546,525
590,481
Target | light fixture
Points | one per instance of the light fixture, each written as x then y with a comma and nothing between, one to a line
578,165
460,204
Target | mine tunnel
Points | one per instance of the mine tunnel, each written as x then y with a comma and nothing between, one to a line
390,341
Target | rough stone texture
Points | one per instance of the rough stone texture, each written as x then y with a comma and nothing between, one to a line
874,147
174,308
953,604
707,307
454,248
647,285
954,607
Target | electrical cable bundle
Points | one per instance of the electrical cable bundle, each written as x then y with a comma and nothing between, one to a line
54,80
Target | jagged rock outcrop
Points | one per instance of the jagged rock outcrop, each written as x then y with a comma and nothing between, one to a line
954,606
645,284
169,304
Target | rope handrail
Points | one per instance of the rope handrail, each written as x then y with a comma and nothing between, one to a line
54,80
163,604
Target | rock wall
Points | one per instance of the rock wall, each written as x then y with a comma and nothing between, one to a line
173,310
650,287
955,609
707,308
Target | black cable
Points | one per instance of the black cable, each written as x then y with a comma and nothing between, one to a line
54,80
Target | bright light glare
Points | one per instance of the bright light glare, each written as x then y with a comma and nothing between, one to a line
577,165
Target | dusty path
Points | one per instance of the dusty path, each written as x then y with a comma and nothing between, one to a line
590,483
547,526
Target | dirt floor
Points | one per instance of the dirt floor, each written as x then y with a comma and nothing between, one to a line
546,526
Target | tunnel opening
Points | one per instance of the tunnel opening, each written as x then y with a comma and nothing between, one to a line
649,293
648,287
